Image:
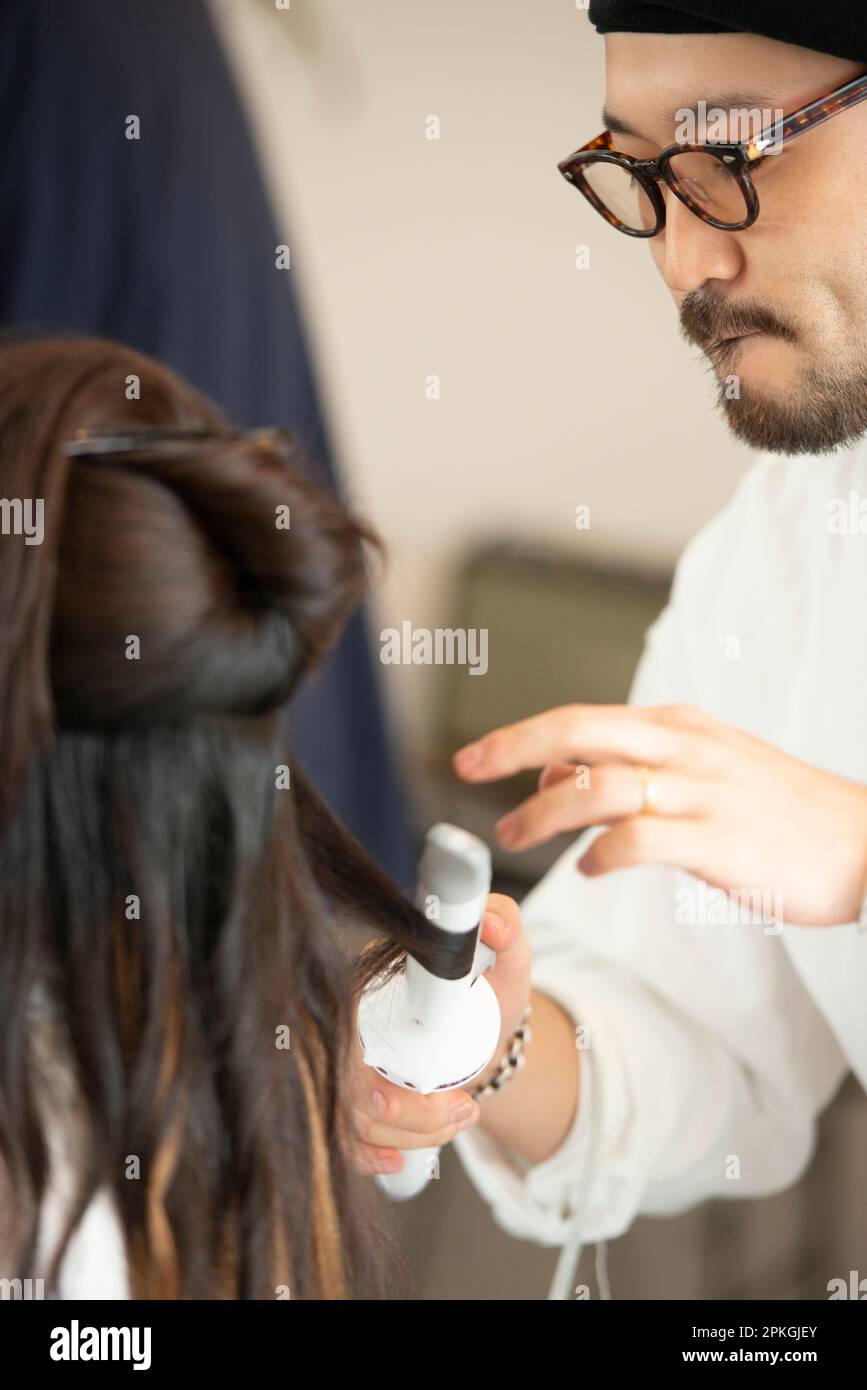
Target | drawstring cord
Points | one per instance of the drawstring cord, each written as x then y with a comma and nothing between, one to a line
570,1253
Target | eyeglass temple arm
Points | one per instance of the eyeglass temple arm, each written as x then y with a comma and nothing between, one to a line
807,117
781,132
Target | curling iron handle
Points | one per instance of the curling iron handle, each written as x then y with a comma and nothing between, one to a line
420,1165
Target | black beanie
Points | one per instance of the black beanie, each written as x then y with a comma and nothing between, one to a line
837,27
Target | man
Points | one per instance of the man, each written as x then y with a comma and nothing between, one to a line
715,986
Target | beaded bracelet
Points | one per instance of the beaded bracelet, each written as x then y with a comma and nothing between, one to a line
512,1061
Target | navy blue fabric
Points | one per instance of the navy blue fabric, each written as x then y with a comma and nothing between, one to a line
168,243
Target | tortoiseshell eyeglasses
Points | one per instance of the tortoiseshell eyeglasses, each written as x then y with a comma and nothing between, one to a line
712,180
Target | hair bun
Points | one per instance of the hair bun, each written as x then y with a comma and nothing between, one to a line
182,579
198,577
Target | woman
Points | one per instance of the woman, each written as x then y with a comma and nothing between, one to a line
176,1011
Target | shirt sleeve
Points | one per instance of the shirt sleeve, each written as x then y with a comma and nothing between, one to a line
704,1059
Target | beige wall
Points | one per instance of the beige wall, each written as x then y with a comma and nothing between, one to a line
457,257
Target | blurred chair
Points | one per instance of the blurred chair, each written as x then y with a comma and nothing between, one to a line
560,631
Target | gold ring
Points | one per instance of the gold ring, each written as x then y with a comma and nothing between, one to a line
649,791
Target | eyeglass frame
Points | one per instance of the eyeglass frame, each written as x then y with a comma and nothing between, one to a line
738,156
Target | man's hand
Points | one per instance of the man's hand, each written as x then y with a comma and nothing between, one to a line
386,1118
676,786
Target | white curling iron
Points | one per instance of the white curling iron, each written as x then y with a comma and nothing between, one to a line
423,1033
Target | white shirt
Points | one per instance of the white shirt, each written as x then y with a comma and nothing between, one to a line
712,1048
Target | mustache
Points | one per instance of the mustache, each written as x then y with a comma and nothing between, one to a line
705,319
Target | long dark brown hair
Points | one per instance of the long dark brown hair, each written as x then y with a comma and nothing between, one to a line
167,901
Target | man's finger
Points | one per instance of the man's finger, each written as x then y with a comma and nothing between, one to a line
606,793
582,734
501,924
379,1135
397,1108
371,1160
552,773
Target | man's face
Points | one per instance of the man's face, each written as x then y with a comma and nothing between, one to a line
798,274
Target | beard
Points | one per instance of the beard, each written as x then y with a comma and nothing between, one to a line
822,411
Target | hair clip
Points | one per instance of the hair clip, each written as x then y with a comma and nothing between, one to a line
96,443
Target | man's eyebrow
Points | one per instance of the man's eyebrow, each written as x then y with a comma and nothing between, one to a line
616,124
728,101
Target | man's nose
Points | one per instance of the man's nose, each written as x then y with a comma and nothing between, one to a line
693,252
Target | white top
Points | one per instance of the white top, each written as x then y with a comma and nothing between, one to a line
710,1042
95,1264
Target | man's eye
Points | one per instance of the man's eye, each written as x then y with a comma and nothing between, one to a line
633,149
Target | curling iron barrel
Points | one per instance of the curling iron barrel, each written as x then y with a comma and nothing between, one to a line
425,1033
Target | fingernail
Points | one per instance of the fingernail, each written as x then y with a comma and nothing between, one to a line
493,920
469,757
461,1112
379,1102
508,829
